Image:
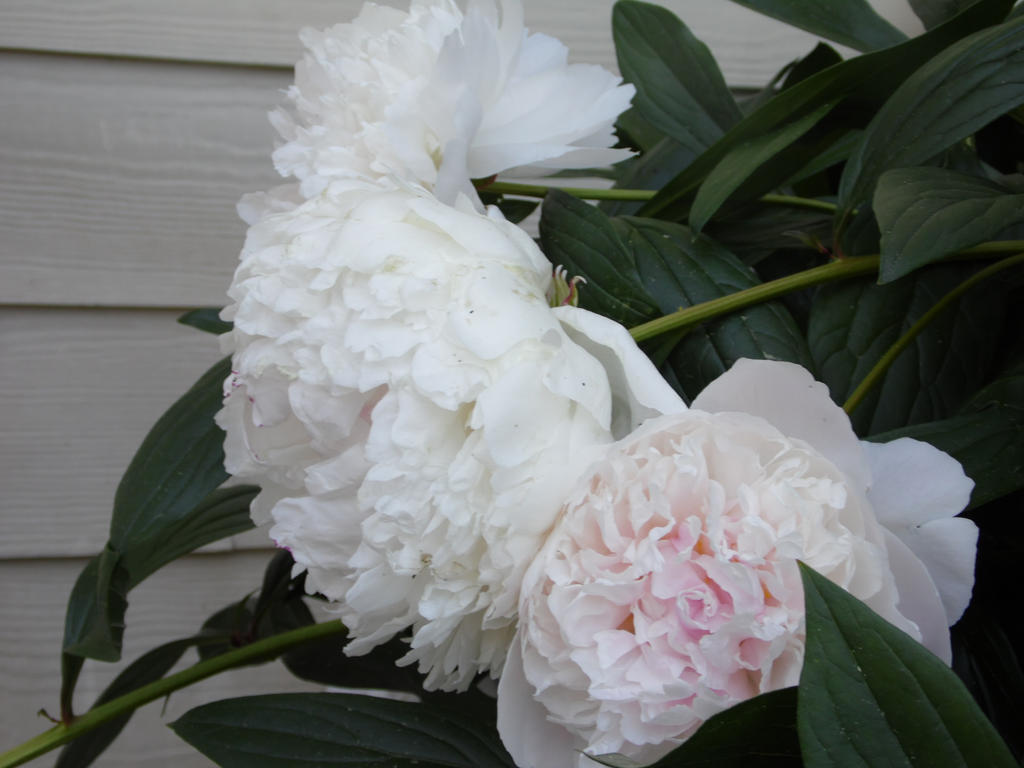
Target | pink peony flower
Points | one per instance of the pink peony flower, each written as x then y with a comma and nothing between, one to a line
669,590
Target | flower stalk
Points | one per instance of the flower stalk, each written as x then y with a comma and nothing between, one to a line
878,371
261,650
839,269
638,195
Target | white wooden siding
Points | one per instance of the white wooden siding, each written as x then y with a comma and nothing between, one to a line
128,130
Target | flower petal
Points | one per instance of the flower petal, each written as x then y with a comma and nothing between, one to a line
919,599
916,491
531,739
639,392
788,397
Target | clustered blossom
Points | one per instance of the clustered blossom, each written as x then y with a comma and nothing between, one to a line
670,591
436,443
437,97
415,411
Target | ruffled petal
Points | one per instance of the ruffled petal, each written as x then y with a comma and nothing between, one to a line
788,397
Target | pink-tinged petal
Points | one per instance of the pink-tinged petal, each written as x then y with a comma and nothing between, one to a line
639,392
531,739
916,492
918,598
788,397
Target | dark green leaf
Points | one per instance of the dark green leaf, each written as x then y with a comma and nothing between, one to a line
821,57
94,623
927,213
178,464
852,23
232,624
935,12
148,668
862,83
870,695
988,641
516,210
325,662
223,513
163,508
649,171
834,153
954,94
317,730
756,230
206,319
637,133
757,733
740,163
678,269
278,607
580,237
852,324
680,89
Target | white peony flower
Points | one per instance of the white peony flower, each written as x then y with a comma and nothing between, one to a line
437,98
669,590
414,411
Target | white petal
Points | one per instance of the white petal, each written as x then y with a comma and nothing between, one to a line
788,397
919,599
916,492
638,390
531,739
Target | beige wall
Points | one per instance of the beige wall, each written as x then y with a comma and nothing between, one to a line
128,129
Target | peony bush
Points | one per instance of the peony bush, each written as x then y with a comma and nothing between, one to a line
723,467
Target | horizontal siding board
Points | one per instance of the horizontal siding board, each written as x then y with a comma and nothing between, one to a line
173,603
118,181
750,47
79,389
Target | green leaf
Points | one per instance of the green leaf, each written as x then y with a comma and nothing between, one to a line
278,607
852,23
756,230
870,695
680,89
206,319
954,94
94,623
928,213
757,733
148,668
638,269
164,507
863,83
180,461
852,324
740,163
678,269
318,730
223,513
580,237
636,133
649,171
935,12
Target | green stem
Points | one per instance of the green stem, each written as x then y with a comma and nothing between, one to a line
698,313
799,202
586,193
254,652
879,369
